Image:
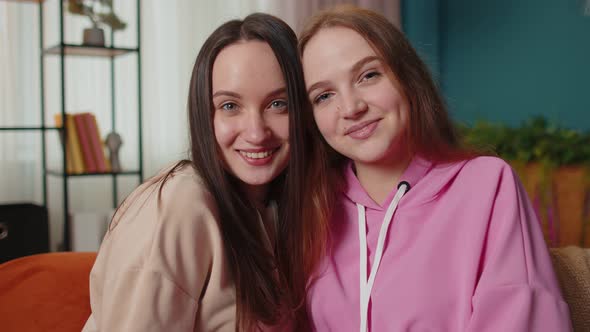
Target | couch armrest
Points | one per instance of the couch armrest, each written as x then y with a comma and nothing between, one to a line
572,267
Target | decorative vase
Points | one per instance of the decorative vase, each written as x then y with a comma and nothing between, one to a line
93,37
113,142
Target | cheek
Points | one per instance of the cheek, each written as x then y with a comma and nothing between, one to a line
224,131
394,97
280,127
325,121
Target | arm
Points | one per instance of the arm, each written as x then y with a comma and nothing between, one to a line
161,266
142,300
517,289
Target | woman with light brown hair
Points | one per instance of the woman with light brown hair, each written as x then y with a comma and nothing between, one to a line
425,233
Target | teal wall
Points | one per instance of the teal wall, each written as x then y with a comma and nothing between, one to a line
507,60
420,22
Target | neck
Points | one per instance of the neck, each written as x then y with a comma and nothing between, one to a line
256,194
379,179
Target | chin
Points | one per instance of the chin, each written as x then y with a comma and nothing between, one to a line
256,183
253,176
258,180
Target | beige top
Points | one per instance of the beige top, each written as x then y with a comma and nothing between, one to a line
163,267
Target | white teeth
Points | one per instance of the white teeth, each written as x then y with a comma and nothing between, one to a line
256,155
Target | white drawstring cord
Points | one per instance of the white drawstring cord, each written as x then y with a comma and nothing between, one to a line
367,285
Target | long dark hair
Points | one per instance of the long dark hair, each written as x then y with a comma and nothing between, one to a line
267,283
430,132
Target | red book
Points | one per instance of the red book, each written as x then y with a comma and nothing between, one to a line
96,143
84,136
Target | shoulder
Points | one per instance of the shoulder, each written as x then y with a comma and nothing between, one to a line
172,203
478,178
176,186
476,172
185,190
187,241
491,179
492,170
176,191
184,208
483,171
172,207
170,227
487,164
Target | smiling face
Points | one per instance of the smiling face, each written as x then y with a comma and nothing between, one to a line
358,104
250,119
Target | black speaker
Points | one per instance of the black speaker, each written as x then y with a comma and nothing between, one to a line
24,230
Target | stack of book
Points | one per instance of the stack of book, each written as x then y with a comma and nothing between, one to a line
84,147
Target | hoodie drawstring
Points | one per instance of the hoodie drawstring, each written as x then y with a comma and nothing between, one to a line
367,285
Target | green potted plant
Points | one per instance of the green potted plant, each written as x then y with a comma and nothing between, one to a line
99,12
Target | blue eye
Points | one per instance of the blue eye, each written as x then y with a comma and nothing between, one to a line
229,107
322,97
278,104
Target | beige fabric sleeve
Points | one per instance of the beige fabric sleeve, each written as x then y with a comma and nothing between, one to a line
163,267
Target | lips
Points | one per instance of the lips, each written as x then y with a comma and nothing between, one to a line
362,130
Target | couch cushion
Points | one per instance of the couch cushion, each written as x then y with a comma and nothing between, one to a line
45,292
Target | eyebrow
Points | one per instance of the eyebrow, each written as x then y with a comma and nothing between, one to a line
226,93
356,67
277,92
273,93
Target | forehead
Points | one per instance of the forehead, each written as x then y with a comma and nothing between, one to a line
246,63
333,46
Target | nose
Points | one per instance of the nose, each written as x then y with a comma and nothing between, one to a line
256,129
352,106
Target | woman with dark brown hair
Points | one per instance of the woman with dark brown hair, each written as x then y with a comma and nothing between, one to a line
425,234
214,243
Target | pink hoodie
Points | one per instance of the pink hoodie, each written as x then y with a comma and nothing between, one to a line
464,252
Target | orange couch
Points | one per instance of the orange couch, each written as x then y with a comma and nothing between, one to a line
45,292
49,292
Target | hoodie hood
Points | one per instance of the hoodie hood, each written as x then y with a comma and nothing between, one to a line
439,177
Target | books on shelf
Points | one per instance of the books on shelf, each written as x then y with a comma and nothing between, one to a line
84,147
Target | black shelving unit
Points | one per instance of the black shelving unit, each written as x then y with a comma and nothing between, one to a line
64,50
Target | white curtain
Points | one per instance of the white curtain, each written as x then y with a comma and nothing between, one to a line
19,94
172,33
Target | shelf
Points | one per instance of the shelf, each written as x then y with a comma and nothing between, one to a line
60,173
27,128
60,50
84,50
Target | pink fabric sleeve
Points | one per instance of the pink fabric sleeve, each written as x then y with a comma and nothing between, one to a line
517,289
